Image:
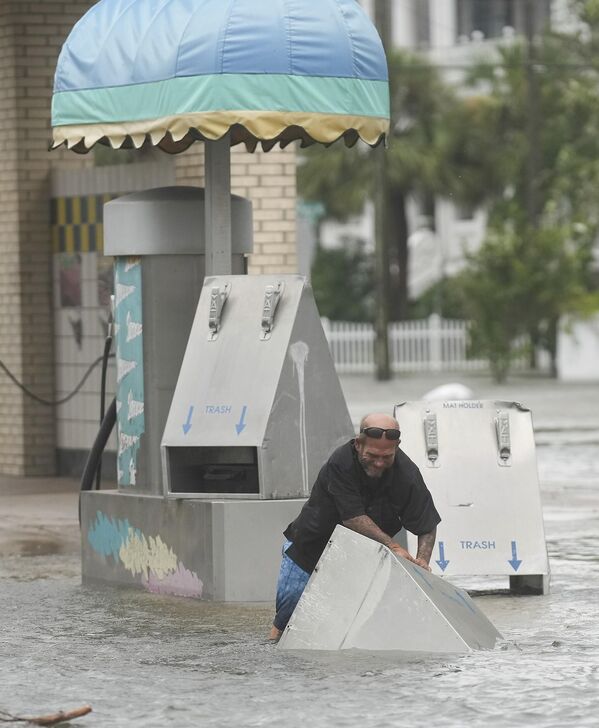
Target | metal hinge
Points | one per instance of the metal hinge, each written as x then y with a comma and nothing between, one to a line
218,298
272,296
431,439
504,445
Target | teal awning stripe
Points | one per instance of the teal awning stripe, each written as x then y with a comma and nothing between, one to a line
222,92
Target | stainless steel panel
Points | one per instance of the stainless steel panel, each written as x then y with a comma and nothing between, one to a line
278,394
169,220
363,597
485,486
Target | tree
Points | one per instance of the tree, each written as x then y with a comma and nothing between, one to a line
343,178
538,184
515,283
342,280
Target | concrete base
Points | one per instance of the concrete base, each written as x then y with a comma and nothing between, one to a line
218,550
530,584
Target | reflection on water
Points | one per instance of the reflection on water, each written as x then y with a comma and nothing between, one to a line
148,660
569,463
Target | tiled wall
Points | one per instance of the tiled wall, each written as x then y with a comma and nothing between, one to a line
80,333
82,283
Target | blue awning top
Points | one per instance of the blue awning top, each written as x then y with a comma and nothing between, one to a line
122,42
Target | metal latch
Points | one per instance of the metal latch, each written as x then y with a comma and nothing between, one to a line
218,298
272,296
431,439
504,445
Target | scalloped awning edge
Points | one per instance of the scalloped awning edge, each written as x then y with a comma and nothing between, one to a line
175,134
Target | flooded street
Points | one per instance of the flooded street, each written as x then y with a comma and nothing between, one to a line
148,660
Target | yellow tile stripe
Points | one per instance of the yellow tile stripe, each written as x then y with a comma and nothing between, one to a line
61,203
78,227
76,203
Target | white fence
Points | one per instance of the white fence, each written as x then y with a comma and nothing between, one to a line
428,345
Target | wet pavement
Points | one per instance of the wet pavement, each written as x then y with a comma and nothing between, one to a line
142,659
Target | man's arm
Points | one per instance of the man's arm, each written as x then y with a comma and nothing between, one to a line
426,541
367,527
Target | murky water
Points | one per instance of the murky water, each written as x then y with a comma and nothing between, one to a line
146,660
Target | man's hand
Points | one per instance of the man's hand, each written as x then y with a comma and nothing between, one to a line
400,551
423,564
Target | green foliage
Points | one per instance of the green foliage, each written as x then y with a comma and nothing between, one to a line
563,143
343,283
447,298
523,142
338,177
475,167
342,179
538,180
420,102
518,283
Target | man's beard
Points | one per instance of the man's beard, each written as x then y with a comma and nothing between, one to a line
370,470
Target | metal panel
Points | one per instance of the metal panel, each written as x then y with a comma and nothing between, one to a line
485,485
247,538
217,167
238,388
166,316
361,596
169,220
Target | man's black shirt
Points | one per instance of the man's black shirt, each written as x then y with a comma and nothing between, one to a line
343,490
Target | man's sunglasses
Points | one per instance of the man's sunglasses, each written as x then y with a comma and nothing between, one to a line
377,432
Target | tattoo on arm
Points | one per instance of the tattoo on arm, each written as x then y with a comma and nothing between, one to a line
426,541
367,527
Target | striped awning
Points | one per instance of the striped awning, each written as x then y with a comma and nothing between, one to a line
170,72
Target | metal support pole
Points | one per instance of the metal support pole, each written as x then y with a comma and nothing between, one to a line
532,116
383,22
381,323
217,172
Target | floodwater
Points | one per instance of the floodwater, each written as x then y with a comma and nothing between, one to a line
147,660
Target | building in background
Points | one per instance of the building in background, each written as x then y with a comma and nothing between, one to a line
55,283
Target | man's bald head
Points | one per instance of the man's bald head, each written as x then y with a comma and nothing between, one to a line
379,419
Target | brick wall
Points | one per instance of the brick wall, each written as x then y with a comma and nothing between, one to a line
30,37
268,179
11,411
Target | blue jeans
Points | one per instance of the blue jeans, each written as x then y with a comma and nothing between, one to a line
291,584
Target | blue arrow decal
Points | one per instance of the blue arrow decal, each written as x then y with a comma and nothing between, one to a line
442,563
187,425
515,563
240,426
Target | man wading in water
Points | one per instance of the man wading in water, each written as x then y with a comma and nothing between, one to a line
368,485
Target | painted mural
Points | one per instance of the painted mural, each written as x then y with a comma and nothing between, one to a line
129,366
145,557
